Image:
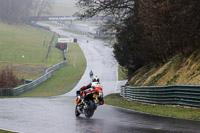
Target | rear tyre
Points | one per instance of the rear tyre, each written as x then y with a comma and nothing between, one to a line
90,110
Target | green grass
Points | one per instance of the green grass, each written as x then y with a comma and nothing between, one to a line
23,40
160,75
18,40
173,80
122,73
65,78
3,131
177,112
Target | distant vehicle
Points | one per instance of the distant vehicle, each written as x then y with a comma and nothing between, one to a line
91,74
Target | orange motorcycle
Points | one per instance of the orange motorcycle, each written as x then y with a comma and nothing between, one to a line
87,101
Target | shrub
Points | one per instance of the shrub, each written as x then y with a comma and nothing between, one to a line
8,78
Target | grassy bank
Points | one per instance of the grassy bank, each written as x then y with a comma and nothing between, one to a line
22,40
65,78
3,131
171,111
178,70
24,48
122,73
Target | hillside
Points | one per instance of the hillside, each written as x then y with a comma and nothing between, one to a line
24,48
178,70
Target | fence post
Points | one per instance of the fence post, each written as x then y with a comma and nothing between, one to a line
52,72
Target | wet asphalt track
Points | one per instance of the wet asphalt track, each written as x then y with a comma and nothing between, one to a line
56,114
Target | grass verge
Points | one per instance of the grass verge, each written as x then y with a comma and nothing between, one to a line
122,73
3,131
22,44
24,49
171,111
65,78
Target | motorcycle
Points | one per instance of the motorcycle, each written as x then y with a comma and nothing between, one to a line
87,102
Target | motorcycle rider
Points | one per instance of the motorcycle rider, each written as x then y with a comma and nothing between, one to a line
83,90
91,74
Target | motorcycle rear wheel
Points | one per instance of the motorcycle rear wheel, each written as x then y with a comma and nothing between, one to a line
90,110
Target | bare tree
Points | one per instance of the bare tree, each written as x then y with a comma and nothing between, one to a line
118,10
15,11
18,11
148,31
42,7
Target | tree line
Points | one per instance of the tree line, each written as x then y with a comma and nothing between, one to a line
148,31
19,11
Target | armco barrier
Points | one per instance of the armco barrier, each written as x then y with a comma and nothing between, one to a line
6,91
186,95
21,89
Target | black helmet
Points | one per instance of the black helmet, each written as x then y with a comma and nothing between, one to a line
96,79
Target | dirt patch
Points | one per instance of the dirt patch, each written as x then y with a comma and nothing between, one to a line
26,71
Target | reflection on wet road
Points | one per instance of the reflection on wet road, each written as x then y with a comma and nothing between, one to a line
56,114
110,119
